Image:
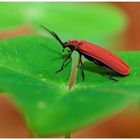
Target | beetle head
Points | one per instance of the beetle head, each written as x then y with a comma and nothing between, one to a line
72,44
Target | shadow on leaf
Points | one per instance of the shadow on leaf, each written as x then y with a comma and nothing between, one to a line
92,67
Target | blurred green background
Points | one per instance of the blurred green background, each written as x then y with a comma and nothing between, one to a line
100,23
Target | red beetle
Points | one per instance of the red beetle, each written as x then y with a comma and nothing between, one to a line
100,56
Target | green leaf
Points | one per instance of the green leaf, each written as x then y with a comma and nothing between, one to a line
96,22
27,75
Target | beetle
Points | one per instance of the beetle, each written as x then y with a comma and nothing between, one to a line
101,57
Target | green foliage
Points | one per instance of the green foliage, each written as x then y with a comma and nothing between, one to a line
27,75
95,22
28,65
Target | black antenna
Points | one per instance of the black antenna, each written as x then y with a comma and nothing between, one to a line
54,35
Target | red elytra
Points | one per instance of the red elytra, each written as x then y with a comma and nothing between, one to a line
100,56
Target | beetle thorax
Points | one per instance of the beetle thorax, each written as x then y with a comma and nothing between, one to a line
73,43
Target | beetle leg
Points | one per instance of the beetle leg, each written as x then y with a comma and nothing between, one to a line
100,65
63,50
79,61
82,65
109,76
62,67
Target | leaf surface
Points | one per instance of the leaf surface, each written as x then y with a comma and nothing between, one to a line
27,75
